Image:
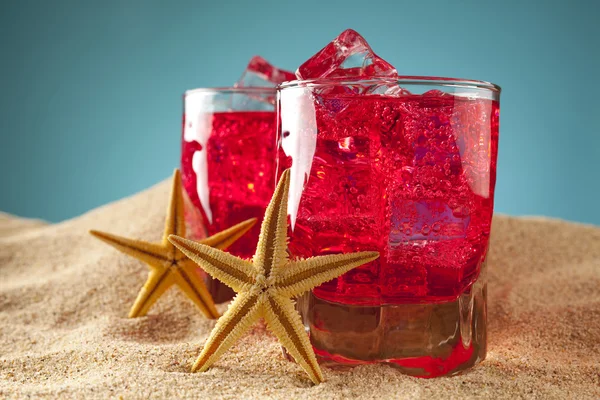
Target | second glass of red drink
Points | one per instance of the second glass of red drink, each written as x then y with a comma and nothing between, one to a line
228,163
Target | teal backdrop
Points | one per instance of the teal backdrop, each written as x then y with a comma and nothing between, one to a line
90,100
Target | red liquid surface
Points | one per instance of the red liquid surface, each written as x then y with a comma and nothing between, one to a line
240,156
410,176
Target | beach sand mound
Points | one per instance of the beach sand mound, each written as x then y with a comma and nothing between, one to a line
64,331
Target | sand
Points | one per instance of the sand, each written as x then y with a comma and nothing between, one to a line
64,299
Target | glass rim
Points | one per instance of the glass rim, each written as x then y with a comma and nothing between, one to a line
401,80
232,89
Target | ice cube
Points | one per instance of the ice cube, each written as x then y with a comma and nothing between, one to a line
259,73
348,55
253,101
424,219
391,89
436,93
396,91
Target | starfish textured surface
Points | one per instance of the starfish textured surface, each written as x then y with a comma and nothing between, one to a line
168,265
266,285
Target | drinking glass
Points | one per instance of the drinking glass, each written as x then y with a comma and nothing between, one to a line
228,164
406,167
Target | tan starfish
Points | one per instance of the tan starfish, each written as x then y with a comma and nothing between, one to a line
266,285
169,266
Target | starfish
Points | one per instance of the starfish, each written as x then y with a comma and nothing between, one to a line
266,285
169,266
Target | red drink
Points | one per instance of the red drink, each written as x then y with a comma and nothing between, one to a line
228,157
408,182
411,176
234,170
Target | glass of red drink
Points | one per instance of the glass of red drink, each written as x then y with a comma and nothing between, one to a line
228,161
407,167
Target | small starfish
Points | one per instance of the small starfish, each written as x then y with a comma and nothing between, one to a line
266,285
169,266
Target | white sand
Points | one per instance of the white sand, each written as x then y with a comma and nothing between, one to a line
64,299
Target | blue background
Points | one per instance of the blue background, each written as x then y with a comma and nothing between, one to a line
90,106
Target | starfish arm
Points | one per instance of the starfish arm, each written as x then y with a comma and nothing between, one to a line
243,311
158,282
175,221
284,321
150,253
226,238
301,276
231,270
192,285
271,250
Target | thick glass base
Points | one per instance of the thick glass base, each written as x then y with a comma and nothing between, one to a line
196,230
424,340
220,292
